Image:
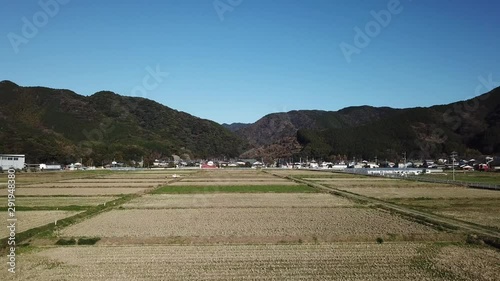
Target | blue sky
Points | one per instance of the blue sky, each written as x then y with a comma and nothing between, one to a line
257,56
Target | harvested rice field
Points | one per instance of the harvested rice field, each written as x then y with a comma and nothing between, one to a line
381,183
89,191
477,206
244,225
117,180
410,191
350,180
31,219
229,188
482,211
238,200
151,175
327,224
297,172
62,201
93,184
232,174
338,261
484,217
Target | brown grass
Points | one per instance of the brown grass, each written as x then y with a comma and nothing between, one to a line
93,184
422,192
23,191
266,200
328,224
31,219
62,201
347,261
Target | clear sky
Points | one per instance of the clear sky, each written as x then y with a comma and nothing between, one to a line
254,57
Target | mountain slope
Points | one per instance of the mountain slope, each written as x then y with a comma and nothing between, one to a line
277,126
59,125
469,127
235,126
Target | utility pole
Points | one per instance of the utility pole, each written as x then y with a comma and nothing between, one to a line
404,153
453,155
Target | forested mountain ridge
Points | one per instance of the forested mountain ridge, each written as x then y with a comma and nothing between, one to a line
469,127
62,126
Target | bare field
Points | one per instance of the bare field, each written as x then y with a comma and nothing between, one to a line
296,172
469,263
217,235
478,206
349,180
62,201
266,200
421,192
53,191
31,219
383,183
117,180
93,184
345,261
150,175
232,173
232,183
255,223
487,217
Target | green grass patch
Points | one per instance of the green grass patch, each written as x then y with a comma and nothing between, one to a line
235,189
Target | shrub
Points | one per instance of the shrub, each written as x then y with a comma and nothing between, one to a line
63,241
380,240
473,240
88,241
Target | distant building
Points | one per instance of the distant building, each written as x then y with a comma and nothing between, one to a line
50,167
15,161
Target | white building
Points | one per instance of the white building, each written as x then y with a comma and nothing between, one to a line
15,161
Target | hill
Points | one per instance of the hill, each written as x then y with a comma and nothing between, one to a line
62,126
469,127
235,126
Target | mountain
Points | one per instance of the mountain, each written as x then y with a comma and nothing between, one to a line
469,127
62,126
235,126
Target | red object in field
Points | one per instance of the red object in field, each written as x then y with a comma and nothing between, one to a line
209,165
